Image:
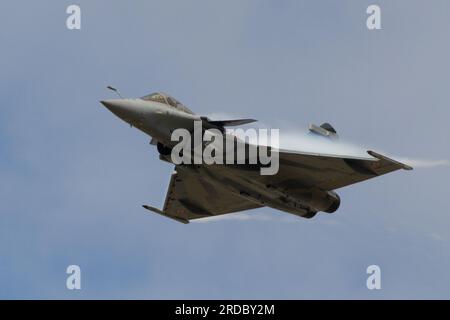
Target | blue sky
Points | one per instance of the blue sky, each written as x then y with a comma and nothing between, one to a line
73,177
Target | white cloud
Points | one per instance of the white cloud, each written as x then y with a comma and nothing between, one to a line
423,163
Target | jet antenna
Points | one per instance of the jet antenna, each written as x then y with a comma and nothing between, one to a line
115,90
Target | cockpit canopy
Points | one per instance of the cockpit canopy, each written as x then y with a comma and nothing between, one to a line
166,99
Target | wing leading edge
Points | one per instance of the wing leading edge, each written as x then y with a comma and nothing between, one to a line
190,197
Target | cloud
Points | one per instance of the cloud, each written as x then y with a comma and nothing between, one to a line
240,216
279,216
423,163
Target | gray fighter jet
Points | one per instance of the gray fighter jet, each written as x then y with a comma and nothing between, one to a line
303,185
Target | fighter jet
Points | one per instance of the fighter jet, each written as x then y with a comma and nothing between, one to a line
304,184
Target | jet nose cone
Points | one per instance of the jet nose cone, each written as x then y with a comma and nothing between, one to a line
122,108
112,104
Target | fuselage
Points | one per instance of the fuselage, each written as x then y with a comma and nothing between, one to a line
156,119
159,120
